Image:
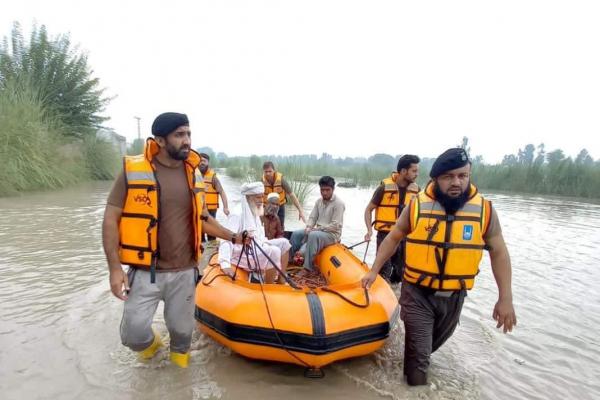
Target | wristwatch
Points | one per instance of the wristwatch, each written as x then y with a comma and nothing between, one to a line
233,238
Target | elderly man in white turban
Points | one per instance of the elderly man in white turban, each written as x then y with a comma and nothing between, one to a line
249,220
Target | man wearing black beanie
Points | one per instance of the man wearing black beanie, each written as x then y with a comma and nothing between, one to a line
153,222
447,227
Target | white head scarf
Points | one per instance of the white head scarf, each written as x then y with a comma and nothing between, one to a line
273,198
250,222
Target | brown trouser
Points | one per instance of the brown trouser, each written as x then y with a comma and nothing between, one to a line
429,321
393,268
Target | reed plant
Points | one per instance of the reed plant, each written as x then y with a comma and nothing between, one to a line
31,145
50,112
101,159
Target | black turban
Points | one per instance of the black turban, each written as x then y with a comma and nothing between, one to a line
449,160
167,122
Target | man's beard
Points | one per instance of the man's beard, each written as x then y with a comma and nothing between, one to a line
451,204
178,154
203,168
257,210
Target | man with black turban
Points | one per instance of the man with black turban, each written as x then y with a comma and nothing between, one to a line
447,227
153,222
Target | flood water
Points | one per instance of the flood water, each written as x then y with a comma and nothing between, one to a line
59,326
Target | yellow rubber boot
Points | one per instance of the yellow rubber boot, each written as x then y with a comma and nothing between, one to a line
182,360
151,350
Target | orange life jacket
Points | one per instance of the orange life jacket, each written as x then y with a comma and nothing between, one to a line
276,186
211,195
391,205
443,251
140,220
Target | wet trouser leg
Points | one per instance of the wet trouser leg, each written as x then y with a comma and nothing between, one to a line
206,237
428,322
178,293
386,269
138,312
314,243
177,290
392,268
296,240
398,263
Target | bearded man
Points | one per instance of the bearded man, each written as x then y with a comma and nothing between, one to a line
153,221
447,227
249,220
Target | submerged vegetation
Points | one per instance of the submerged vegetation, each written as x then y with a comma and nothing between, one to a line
50,113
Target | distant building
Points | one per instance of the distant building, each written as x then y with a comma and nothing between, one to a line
120,142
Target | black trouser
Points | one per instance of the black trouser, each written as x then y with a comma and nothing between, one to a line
429,321
281,215
393,268
206,237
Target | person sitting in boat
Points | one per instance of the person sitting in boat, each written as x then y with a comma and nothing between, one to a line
262,250
271,221
324,226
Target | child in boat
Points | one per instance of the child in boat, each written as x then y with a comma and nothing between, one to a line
271,222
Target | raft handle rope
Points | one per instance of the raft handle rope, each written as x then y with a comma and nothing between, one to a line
347,300
222,273
359,243
285,276
248,250
262,291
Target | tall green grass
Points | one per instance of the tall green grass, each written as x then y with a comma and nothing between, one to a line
30,143
50,112
101,159
298,178
34,152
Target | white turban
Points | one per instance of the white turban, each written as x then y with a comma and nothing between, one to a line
249,221
252,188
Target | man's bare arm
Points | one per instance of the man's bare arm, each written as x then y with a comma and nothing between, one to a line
368,220
504,312
298,206
119,284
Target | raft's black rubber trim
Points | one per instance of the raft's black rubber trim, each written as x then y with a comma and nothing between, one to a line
300,342
316,314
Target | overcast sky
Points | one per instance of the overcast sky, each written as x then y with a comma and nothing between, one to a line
351,78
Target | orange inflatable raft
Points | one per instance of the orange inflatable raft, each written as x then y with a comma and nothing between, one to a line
308,327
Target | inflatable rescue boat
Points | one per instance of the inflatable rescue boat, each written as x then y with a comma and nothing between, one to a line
311,327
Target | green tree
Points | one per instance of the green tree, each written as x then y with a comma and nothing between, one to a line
526,155
59,73
555,157
584,158
541,156
137,147
465,145
384,160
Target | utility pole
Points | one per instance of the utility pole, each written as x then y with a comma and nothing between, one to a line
138,124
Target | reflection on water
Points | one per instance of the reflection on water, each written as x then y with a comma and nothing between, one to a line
59,332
